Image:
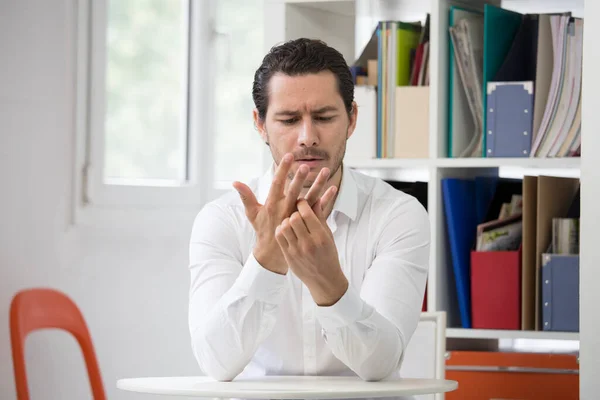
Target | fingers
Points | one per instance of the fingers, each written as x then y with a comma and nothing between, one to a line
317,187
299,226
280,177
281,240
325,202
296,186
309,218
285,231
250,203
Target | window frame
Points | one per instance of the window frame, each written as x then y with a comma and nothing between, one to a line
93,198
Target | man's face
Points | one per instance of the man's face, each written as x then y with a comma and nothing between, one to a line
306,117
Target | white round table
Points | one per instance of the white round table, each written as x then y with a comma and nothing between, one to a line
286,387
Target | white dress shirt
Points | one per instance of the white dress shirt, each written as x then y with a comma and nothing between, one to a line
245,320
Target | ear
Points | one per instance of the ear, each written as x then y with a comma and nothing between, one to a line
260,125
353,116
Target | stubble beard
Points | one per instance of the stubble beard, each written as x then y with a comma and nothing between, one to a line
338,160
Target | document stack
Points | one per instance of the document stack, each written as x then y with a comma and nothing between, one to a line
514,84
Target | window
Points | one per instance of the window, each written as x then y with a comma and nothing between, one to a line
239,55
167,84
146,92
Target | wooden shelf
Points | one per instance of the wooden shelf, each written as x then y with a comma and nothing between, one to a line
509,334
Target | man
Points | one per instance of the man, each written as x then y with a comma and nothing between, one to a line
312,269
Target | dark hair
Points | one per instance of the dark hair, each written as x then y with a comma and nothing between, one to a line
299,57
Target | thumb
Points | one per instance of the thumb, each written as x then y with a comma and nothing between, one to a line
250,203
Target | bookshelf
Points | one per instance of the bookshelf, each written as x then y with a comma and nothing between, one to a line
458,333
348,25
571,164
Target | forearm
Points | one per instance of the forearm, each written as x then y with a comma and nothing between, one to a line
362,338
369,332
227,336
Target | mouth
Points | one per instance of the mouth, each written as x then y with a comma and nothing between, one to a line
309,159
312,163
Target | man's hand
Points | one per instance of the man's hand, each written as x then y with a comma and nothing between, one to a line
309,249
278,206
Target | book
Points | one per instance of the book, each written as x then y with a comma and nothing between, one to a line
500,235
565,235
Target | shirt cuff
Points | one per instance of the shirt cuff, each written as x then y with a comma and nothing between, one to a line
348,309
260,283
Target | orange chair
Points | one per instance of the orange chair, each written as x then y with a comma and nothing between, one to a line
34,309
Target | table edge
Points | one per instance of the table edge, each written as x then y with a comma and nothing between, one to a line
447,385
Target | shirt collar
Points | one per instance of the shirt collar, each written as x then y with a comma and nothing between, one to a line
346,201
347,198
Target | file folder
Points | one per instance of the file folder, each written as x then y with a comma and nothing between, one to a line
499,29
466,203
521,61
459,205
496,289
560,292
554,197
509,119
460,121
411,133
528,246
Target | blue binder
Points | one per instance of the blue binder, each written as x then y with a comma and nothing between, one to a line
509,119
465,204
459,206
560,292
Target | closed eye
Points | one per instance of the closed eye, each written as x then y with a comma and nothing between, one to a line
324,119
288,121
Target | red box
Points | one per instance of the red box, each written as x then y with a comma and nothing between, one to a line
496,289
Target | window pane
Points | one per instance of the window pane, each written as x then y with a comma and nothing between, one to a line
146,98
238,55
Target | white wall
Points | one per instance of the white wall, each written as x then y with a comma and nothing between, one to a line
590,208
131,289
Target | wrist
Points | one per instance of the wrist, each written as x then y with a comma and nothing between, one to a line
329,292
269,259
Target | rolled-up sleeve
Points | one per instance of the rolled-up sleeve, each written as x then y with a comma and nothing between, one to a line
368,329
233,303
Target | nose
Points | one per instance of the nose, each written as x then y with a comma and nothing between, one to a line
308,137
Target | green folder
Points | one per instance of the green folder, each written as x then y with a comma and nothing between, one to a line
408,35
499,29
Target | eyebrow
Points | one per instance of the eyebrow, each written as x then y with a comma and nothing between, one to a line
321,110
